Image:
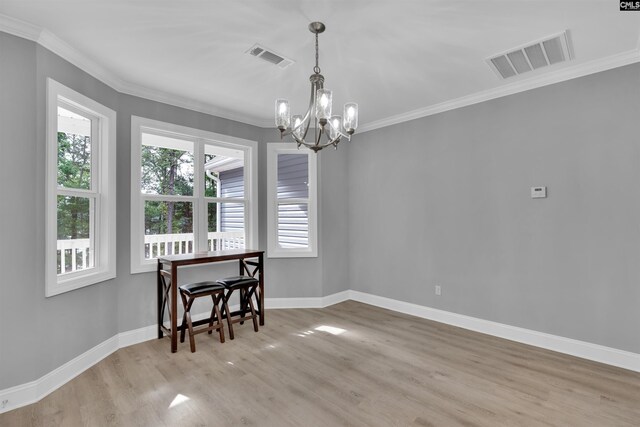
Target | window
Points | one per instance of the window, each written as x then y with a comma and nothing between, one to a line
192,191
80,197
292,191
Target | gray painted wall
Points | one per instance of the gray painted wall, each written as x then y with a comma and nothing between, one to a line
39,334
461,218
328,273
17,150
333,227
446,200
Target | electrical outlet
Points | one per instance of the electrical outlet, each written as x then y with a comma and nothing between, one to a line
4,403
438,290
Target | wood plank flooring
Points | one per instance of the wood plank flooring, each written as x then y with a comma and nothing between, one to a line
346,365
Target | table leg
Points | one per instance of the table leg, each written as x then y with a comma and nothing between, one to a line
160,300
261,286
174,308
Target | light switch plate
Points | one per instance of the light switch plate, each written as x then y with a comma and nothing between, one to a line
538,192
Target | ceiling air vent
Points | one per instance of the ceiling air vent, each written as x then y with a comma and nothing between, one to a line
542,53
269,56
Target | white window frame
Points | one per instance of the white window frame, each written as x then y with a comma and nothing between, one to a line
103,176
200,138
273,249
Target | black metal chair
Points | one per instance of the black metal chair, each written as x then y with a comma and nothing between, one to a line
248,288
189,293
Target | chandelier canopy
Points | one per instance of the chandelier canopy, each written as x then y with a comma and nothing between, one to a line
333,127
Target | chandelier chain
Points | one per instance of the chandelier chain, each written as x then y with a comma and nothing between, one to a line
316,69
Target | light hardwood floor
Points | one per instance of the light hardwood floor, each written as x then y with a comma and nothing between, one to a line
385,369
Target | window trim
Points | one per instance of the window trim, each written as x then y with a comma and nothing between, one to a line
273,250
103,189
199,138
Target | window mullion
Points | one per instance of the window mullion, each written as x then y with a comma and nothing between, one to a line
75,192
166,198
94,235
95,154
200,206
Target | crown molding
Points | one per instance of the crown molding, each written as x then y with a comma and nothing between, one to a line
561,75
189,104
19,28
51,42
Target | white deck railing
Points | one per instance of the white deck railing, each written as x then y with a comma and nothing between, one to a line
156,245
75,254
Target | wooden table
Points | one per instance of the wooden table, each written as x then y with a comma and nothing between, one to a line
168,280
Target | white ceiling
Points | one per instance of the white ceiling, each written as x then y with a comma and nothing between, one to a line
397,59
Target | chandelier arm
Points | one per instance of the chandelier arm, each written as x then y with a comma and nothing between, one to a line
339,132
290,132
320,146
319,135
306,120
306,127
334,141
307,116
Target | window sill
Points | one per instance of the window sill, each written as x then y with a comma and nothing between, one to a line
291,254
80,281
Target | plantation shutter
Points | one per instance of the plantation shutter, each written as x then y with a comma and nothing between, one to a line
232,214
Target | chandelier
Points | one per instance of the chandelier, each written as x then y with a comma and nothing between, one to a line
318,113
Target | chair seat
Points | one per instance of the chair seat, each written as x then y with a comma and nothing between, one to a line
237,282
200,287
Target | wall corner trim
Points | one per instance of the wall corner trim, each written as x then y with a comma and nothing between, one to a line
25,394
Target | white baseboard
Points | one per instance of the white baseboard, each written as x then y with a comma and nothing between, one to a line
136,336
25,394
33,391
583,349
336,298
310,302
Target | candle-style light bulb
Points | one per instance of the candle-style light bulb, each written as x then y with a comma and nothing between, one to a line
350,123
323,104
334,129
283,114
